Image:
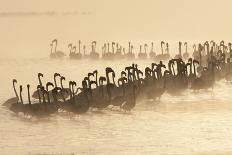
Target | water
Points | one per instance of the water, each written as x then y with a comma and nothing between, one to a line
195,123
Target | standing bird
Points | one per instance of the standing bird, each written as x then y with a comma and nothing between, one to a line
12,100
56,54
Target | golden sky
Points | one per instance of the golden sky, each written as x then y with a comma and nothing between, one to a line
119,20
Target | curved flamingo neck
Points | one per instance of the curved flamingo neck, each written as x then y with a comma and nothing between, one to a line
61,83
16,94
29,98
40,82
21,98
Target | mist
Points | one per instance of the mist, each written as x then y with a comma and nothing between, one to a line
107,20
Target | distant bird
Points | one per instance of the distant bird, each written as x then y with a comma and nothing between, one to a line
55,54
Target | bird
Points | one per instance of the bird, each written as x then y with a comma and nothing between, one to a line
12,100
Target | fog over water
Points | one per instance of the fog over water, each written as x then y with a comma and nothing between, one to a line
139,21
193,123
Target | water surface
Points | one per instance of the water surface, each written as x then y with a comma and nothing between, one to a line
194,123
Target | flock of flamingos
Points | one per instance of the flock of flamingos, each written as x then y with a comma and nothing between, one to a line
114,51
210,62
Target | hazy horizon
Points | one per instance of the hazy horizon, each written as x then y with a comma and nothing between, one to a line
107,20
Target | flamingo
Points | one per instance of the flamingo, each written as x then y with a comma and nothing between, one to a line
56,54
12,100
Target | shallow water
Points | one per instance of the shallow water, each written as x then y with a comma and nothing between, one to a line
194,123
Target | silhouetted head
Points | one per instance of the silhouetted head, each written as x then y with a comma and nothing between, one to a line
70,45
56,74
38,86
90,74
62,78
222,42
188,64
166,72
86,79
109,70
102,78
49,84
74,83
58,89
153,65
200,47
196,62
92,83
84,84
128,68
123,73
28,86
40,75
14,81
170,62
95,72
94,42
123,79
206,43
54,41
190,60
54,92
